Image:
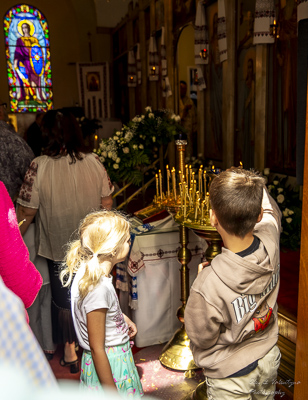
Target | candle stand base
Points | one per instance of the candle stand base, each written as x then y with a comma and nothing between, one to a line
177,354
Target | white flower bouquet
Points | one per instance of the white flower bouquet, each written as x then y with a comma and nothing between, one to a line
154,128
122,158
136,145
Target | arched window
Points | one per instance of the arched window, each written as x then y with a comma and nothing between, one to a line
28,59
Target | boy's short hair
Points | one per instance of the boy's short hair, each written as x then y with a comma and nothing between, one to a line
236,198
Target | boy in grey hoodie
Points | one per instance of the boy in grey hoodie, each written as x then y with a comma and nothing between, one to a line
231,314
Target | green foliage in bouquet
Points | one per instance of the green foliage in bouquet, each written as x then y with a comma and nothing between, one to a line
287,198
129,151
155,128
122,157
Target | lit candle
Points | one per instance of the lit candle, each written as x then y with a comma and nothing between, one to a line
241,165
173,182
207,202
197,208
200,180
186,171
168,179
191,189
202,211
190,171
190,197
181,194
96,142
205,186
160,185
157,192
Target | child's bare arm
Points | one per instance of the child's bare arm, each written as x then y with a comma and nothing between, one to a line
132,328
96,321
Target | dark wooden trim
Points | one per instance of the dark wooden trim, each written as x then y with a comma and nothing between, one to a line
103,30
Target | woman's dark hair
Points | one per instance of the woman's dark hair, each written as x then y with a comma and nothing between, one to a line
62,135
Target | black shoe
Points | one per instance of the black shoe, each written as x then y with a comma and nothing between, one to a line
49,356
74,365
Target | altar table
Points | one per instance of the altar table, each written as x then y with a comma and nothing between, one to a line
154,290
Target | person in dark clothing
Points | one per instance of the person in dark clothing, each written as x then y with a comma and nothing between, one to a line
33,135
15,155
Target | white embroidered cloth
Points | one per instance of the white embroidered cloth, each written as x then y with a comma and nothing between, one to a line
164,70
222,31
168,87
264,17
201,34
138,63
201,81
131,70
153,60
157,247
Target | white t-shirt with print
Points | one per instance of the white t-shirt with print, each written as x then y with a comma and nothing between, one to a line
102,296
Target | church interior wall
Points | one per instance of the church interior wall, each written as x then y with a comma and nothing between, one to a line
186,57
76,37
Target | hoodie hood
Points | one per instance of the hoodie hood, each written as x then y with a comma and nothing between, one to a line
250,274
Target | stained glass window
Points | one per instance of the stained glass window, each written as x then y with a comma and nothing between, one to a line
27,51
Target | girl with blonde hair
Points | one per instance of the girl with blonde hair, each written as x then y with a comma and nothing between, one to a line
103,331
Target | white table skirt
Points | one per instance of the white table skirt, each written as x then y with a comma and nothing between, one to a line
159,285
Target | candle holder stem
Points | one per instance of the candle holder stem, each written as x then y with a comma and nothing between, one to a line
177,354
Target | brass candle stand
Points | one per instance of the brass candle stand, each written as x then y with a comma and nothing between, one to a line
190,208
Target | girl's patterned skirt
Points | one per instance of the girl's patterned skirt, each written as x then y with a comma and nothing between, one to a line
123,369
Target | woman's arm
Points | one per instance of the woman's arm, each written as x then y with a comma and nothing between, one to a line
27,214
96,322
106,202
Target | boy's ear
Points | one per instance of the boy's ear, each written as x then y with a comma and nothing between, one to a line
260,215
213,218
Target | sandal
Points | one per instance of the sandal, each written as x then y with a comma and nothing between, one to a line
74,365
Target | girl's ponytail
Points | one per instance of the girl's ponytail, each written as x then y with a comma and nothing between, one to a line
71,263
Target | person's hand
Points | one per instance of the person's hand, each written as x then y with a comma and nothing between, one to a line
202,266
132,328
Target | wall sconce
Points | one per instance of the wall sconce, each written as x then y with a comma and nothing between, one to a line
274,30
152,71
131,79
203,54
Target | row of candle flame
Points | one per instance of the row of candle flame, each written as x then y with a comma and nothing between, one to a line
188,192
190,197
